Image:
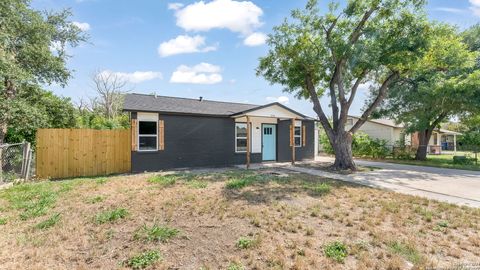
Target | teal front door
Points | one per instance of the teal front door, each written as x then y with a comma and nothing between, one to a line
269,142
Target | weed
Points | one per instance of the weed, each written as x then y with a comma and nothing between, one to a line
246,243
442,224
3,221
163,180
197,184
110,216
101,180
235,266
336,250
239,183
96,199
318,189
50,222
143,260
155,233
407,251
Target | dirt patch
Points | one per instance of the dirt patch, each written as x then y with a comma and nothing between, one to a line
284,220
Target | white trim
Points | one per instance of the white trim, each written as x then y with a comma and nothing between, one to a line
236,137
298,123
147,135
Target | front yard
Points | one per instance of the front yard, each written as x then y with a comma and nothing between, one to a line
442,161
232,219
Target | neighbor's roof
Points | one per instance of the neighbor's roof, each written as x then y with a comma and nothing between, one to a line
176,105
385,122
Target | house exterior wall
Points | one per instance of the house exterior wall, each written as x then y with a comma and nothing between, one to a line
199,141
257,130
377,131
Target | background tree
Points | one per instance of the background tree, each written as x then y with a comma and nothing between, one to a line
111,89
444,83
32,52
334,53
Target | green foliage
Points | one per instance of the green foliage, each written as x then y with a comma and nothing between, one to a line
96,199
246,242
407,251
3,221
362,146
50,222
318,189
163,180
111,215
156,233
143,260
96,120
239,183
463,160
336,250
197,184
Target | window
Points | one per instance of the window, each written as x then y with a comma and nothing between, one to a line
147,136
240,137
297,135
267,131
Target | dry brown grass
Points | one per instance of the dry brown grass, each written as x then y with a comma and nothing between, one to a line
291,219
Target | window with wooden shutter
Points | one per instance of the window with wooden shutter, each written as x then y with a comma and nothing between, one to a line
133,129
304,136
161,135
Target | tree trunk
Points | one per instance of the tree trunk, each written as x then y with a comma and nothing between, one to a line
342,146
423,139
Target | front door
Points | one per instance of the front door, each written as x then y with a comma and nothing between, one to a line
269,144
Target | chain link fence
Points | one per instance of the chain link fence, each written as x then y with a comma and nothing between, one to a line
15,162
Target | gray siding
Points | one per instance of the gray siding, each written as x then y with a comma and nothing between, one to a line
199,141
283,146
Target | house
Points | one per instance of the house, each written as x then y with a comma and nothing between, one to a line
172,132
388,130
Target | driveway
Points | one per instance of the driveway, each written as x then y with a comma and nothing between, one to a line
455,186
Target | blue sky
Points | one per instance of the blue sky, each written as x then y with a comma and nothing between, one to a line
195,48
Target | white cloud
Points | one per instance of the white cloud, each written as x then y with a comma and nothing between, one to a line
175,6
184,44
450,10
475,7
255,39
280,99
82,25
203,73
134,77
239,17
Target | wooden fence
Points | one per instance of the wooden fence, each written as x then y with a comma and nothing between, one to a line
64,153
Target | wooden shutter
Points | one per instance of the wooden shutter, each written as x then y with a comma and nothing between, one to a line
304,135
291,136
161,135
133,129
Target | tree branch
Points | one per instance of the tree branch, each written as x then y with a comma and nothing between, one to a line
355,87
317,107
381,94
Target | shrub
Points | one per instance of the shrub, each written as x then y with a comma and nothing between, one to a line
404,152
156,233
49,222
110,216
362,146
143,260
463,160
336,251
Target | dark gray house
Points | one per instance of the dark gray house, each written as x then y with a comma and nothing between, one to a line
171,132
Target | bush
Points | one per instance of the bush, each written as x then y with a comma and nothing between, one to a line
362,146
143,260
156,233
463,160
336,251
404,152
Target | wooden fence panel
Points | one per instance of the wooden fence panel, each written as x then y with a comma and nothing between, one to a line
65,153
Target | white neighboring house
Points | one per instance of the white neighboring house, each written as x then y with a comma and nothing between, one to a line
388,130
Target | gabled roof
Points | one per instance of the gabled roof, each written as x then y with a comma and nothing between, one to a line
188,106
152,103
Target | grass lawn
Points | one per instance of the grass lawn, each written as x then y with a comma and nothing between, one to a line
441,161
231,219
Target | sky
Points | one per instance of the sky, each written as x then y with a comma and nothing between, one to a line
206,48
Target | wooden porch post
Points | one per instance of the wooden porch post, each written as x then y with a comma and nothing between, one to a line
292,139
248,142
454,144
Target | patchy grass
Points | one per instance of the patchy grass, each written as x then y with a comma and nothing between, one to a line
163,180
111,215
156,233
268,219
336,251
440,161
3,221
50,222
143,260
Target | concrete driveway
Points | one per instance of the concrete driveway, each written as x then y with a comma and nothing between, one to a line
455,186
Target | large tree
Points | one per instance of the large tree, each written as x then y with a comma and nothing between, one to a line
334,53
444,83
32,52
